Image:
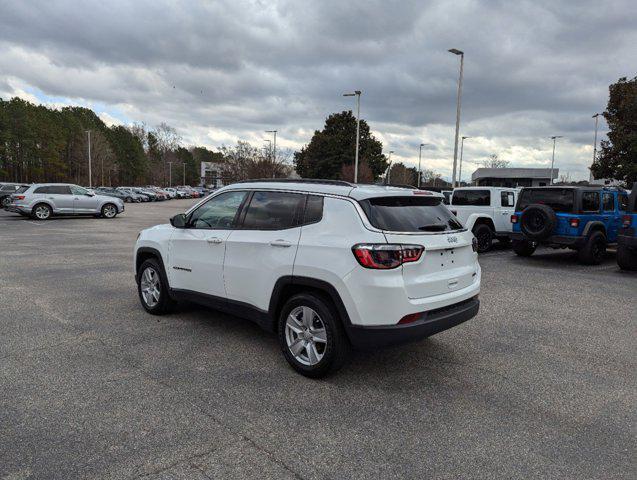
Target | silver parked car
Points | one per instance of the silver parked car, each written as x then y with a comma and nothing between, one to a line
42,200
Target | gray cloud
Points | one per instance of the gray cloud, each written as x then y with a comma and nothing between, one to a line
224,70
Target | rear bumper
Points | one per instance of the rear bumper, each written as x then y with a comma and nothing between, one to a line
436,321
18,208
574,241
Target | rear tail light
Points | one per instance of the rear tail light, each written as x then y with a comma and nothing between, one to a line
574,222
514,219
18,197
626,221
383,256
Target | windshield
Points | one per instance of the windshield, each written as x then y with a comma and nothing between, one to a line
559,199
22,189
409,214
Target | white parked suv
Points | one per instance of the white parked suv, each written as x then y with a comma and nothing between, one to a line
486,211
328,265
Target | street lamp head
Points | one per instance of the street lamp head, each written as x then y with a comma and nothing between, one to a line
464,138
356,92
270,131
596,115
556,136
391,151
455,51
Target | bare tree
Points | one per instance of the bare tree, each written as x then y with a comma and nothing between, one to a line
494,162
243,162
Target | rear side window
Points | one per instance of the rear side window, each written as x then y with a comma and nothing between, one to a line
23,189
41,190
476,198
623,202
273,211
590,202
608,202
409,214
507,199
559,199
59,190
313,209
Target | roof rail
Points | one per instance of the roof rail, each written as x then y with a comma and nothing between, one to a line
342,183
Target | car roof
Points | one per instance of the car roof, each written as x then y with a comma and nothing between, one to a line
329,187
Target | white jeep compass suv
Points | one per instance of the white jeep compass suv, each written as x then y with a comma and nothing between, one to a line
328,265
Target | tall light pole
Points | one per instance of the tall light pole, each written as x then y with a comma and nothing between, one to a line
388,167
356,93
184,166
90,173
460,169
419,160
455,51
274,145
554,138
170,174
596,117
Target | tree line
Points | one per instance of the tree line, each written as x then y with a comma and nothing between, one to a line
42,144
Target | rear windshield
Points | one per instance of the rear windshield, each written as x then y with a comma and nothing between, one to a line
22,189
477,198
409,214
559,199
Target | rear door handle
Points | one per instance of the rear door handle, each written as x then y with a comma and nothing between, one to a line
214,240
280,243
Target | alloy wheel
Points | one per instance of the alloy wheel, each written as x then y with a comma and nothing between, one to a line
109,211
42,212
150,287
305,335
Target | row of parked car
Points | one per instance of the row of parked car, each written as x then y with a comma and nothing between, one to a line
151,193
584,219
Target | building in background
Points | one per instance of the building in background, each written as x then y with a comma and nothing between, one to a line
212,174
513,177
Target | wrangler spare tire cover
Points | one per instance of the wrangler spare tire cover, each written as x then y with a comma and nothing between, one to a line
538,221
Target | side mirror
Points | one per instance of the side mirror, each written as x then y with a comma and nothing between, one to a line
179,220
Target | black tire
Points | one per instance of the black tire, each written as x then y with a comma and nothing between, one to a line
538,221
41,211
524,248
336,348
4,201
164,303
627,258
594,250
107,210
128,199
484,235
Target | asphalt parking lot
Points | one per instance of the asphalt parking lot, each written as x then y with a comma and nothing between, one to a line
541,384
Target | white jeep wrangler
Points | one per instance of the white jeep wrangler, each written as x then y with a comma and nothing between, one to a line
486,211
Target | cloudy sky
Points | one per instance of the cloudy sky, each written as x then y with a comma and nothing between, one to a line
220,71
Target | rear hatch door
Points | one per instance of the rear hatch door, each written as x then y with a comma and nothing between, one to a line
448,262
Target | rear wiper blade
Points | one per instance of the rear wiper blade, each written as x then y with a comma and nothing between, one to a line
433,227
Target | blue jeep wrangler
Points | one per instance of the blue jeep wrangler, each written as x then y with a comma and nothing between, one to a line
627,238
585,219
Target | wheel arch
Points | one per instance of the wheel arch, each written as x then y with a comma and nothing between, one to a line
144,253
289,285
594,226
476,219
